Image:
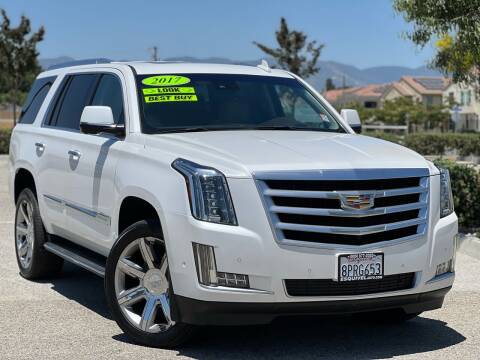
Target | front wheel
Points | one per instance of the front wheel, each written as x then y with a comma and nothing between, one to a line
138,287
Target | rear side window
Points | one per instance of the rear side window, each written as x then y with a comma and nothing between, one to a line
76,95
35,99
109,93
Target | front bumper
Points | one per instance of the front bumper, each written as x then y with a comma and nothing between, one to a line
199,312
251,249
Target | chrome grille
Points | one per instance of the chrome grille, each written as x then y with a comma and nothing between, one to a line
309,207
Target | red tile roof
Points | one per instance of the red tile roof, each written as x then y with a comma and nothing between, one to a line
370,91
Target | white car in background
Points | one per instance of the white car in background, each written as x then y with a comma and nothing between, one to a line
223,195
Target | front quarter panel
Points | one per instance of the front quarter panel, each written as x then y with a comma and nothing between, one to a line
148,175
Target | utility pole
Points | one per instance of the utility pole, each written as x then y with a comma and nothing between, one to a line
154,53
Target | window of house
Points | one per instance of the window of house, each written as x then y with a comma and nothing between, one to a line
451,97
465,97
468,98
428,100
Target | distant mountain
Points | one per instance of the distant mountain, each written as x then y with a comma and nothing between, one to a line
381,74
46,63
338,72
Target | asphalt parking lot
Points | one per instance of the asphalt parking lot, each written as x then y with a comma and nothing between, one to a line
67,318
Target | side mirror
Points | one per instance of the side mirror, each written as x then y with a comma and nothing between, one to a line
99,119
352,118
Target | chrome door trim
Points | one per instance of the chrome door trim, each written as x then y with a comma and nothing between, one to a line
54,199
94,214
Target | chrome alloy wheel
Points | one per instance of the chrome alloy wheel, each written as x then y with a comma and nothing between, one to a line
142,285
24,233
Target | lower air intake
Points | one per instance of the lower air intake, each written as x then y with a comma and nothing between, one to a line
328,287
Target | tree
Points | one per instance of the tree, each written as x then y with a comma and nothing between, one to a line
406,111
455,26
18,59
294,53
329,85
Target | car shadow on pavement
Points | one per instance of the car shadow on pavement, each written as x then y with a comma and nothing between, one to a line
325,337
82,287
340,337
286,338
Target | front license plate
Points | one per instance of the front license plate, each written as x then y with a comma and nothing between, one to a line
358,267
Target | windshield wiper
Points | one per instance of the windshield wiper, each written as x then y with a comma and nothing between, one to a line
202,129
281,127
198,129
176,130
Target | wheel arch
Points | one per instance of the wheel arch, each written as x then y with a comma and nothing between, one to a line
135,208
23,179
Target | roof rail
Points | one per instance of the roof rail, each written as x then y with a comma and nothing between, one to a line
80,62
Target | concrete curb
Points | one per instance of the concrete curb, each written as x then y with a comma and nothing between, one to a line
470,245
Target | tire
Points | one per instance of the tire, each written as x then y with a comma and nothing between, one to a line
138,288
33,260
387,317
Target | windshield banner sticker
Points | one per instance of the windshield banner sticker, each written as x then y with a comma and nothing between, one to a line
166,80
168,90
170,98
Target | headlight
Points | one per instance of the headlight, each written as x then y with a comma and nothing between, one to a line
210,199
446,197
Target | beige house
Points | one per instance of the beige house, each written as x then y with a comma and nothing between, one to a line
425,89
466,111
428,90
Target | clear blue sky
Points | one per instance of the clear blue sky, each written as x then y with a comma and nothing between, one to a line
361,33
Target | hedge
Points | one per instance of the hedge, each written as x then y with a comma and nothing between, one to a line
465,179
437,144
466,193
5,140
386,136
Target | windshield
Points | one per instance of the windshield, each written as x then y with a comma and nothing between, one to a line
207,102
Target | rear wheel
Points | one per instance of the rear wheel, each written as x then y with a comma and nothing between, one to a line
33,260
138,288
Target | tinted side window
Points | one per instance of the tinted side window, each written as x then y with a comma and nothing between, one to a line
76,97
109,93
35,99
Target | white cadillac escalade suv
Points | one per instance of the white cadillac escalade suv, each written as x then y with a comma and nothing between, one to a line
223,195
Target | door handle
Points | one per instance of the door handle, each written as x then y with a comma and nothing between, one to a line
40,146
75,154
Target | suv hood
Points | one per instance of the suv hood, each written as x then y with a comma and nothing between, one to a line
241,153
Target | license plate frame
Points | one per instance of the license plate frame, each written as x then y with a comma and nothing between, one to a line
364,262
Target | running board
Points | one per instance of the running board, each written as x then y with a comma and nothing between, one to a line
78,256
